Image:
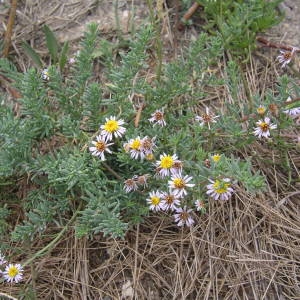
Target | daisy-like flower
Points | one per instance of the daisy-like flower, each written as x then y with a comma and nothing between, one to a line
207,118
158,117
170,200
155,201
263,128
261,110
220,189
130,185
112,127
200,205
165,164
179,184
13,273
183,217
216,157
100,147
148,145
45,74
2,259
134,147
286,56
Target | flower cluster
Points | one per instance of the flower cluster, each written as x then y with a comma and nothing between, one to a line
12,272
111,128
140,148
168,170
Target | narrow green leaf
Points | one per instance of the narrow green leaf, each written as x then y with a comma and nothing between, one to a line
30,52
51,43
63,56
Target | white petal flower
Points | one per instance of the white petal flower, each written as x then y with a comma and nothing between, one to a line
200,205
179,184
220,189
148,145
207,118
286,56
100,147
112,127
13,273
263,128
170,200
45,75
155,201
134,146
130,185
158,117
165,164
183,217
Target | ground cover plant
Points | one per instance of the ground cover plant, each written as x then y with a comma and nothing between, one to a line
181,147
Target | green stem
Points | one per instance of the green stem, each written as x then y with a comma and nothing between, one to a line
52,243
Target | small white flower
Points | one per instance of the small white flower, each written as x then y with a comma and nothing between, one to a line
183,217
2,259
200,205
45,74
134,147
130,185
286,56
158,117
148,145
263,128
220,189
207,118
155,201
112,127
13,272
72,60
100,147
170,200
179,184
165,164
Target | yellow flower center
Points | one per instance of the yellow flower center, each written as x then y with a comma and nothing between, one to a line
100,146
111,126
264,126
135,145
167,162
13,271
216,157
261,110
150,156
155,200
179,183
221,187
